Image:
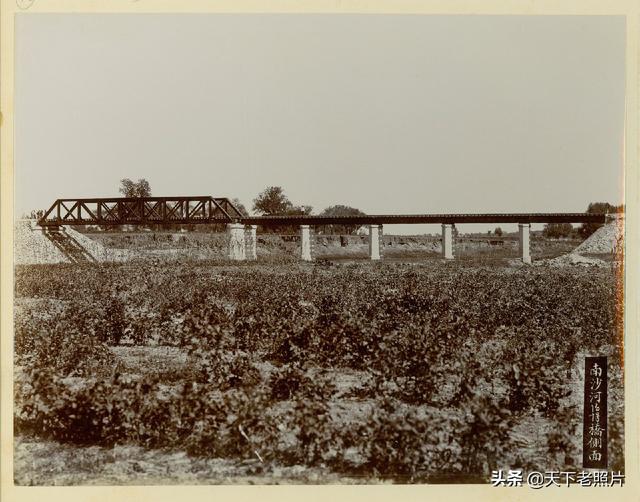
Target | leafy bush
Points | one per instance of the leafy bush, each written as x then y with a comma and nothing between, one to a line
451,361
66,343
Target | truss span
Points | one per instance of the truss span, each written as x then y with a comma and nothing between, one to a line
140,211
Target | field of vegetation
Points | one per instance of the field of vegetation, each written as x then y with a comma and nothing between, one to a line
286,372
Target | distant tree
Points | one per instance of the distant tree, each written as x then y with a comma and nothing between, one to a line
34,214
240,207
498,232
131,189
292,211
340,210
598,208
557,230
272,201
127,187
299,211
143,188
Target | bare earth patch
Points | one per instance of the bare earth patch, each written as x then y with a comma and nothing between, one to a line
47,463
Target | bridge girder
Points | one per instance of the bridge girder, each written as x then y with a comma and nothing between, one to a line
207,209
398,219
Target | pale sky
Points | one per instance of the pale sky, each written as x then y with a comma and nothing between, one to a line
385,113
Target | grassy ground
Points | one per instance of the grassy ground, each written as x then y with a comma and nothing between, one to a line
48,463
45,462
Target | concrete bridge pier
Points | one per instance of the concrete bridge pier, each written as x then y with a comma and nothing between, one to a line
523,243
305,243
251,242
236,241
375,242
447,241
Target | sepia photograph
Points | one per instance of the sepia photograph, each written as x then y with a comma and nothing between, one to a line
311,249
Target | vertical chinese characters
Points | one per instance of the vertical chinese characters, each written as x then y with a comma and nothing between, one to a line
595,413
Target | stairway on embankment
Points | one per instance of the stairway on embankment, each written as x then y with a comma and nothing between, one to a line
35,245
70,248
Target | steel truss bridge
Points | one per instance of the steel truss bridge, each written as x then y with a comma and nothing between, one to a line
140,211
208,210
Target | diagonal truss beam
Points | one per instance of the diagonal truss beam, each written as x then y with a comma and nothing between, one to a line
140,211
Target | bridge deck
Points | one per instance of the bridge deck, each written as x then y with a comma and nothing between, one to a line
392,219
206,209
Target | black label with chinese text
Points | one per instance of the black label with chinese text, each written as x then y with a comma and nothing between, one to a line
594,449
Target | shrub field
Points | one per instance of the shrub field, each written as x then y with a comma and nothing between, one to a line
387,372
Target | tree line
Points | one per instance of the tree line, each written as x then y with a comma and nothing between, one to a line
566,230
272,201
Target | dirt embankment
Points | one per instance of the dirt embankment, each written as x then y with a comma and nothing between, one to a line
35,245
601,248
